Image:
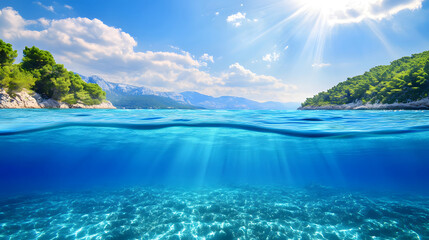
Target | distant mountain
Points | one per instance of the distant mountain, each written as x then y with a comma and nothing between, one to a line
228,102
128,96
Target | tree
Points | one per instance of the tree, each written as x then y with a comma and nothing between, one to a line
20,79
7,54
405,79
427,67
54,81
14,79
39,72
35,59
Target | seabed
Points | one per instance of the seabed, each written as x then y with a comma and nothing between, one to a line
215,213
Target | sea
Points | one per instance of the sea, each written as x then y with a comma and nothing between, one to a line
213,174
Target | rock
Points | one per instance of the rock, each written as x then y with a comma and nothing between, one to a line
103,105
416,105
21,100
24,99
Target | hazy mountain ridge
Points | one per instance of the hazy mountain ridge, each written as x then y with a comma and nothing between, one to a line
127,89
128,96
230,102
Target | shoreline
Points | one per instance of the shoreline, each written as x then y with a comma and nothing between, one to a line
422,104
25,100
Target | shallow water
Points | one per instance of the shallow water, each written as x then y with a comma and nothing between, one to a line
220,213
182,174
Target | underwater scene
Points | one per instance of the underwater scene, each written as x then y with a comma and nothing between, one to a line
214,174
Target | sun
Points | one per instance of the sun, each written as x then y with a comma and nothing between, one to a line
326,5
322,16
320,19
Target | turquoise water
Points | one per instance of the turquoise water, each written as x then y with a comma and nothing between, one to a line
184,174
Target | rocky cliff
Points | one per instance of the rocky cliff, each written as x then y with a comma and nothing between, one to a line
24,99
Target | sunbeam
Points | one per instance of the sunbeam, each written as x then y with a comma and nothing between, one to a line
322,16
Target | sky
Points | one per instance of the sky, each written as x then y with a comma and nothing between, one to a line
284,50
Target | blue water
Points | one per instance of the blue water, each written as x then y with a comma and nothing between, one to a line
185,174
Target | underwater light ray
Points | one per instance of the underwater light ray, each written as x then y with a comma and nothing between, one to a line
208,151
331,162
157,161
192,155
283,159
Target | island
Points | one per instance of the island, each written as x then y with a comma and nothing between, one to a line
404,84
39,82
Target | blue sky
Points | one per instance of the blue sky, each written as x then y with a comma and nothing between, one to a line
263,50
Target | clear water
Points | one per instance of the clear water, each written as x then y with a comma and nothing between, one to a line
182,174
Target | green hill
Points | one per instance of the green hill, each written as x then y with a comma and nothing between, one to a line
39,72
404,80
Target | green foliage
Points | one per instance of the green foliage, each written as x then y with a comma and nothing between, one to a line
7,54
87,93
14,79
35,59
406,79
39,72
427,68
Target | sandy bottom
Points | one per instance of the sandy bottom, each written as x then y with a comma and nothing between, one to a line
215,213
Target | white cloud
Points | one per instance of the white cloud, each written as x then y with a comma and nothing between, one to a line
89,46
271,57
44,21
378,10
49,8
68,7
239,18
205,58
320,65
217,13
12,25
241,81
237,75
352,11
236,19
175,48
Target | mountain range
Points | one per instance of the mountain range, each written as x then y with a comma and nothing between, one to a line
128,96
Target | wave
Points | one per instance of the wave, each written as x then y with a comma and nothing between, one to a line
245,127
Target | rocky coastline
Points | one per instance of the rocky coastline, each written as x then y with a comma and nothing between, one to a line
26,99
422,104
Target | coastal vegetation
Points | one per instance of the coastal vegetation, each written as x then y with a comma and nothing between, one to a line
39,72
404,80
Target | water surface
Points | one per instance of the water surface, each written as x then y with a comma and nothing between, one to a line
184,174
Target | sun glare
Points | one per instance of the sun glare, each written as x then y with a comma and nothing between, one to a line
321,16
339,11
325,4
318,19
